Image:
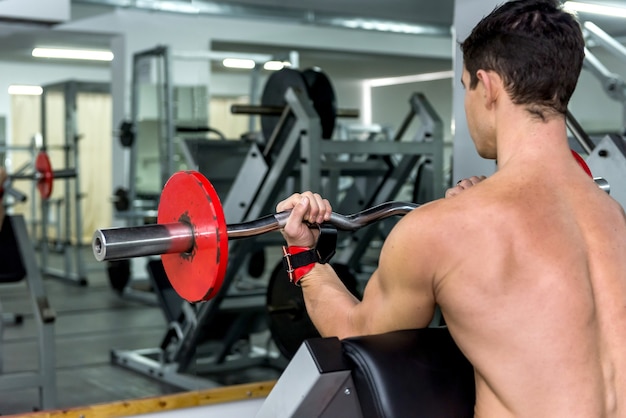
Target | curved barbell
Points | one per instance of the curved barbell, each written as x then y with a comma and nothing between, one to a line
192,235
147,240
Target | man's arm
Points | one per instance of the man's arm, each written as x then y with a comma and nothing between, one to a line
399,295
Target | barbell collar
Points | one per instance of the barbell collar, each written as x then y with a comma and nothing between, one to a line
148,240
141,241
603,184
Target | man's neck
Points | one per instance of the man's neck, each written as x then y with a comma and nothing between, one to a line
522,137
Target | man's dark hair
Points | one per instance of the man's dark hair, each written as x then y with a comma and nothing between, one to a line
537,49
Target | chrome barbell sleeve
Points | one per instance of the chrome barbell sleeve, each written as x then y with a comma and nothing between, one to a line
147,240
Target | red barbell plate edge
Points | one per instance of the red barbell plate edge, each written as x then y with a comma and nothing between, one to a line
44,168
582,163
190,198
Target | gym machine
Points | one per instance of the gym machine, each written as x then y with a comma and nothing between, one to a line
612,84
161,136
74,269
429,137
294,151
255,191
385,375
19,262
288,319
605,156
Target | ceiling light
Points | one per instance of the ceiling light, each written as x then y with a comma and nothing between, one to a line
276,65
238,63
77,54
614,11
25,90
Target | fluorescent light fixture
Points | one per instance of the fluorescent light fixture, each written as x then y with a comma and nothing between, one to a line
25,90
415,78
169,6
238,63
276,65
77,54
386,26
575,6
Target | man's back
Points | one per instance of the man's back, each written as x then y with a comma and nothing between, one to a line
534,292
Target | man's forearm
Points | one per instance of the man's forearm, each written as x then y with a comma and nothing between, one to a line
329,304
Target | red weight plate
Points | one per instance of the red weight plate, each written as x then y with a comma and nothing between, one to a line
45,176
582,163
190,198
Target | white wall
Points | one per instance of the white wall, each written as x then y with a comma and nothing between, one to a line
41,74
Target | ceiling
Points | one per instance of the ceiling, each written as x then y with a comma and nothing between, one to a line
18,38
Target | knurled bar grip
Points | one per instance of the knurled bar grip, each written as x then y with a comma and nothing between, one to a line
178,237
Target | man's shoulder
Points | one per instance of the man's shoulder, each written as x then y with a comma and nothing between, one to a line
468,203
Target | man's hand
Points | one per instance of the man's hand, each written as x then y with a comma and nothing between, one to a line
306,208
463,185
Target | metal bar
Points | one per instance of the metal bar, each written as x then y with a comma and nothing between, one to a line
177,237
604,39
239,109
37,175
579,133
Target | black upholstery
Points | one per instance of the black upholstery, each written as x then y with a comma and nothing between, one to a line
412,373
11,265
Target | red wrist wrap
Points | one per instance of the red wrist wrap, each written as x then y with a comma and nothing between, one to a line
296,273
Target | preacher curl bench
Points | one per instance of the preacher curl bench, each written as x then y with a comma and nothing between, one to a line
416,373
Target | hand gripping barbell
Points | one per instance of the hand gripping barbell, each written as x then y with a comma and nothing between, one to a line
191,234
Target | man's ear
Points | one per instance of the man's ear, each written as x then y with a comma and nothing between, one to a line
490,86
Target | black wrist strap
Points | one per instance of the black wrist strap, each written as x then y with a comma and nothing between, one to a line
322,253
303,259
326,243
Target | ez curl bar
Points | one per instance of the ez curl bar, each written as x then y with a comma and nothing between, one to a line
191,234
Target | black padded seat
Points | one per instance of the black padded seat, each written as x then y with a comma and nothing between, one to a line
11,265
416,373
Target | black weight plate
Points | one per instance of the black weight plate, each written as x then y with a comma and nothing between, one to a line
256,264
323,97
289,321
121,199
119,274
274,95
127,134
